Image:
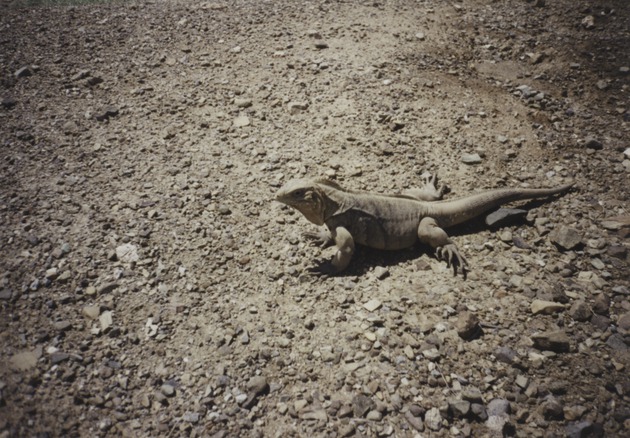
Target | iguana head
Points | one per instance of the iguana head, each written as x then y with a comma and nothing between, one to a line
306,196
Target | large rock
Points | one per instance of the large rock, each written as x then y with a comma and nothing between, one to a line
556,341
566,237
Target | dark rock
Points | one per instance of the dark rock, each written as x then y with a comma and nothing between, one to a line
8,102
106,113
505,354
557,341
584,429
467,326
623,323
58,357
519,242
618,251
552,409
592,143
600,321
6,294
617,343
472,394
504,216
23,72
580,311
479,411
601,304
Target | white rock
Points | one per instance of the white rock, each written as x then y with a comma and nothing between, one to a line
372,305
127,253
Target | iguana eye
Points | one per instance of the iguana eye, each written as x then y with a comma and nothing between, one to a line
299,193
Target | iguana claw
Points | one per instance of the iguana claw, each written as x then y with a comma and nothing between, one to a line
319,238
451,255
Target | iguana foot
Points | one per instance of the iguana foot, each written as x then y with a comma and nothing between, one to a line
450,254
321,238
430,191
432,186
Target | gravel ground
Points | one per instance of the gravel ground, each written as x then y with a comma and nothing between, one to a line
150,285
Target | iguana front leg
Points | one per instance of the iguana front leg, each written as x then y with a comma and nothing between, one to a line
321,237
431,234
345,249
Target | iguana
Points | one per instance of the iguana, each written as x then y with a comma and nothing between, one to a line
393,222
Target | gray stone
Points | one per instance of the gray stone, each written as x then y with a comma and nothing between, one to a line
361,405
565,237
504,215
106,320
600,321
381,272
106,113
459,408
414,422
241,121
242,102
127,253
556,341
258,385
498,406
546,307
372,305
552,409
472,394
6,294
168,390
479,411
25,360
623,323
616,342
297,107
433,419
601,304
374,415
505,354
471,158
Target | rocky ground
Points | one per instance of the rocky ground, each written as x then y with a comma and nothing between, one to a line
150,285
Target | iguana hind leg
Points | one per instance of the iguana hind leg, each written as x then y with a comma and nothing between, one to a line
430,191
431,234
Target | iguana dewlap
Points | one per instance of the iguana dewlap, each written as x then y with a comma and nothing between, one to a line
393,222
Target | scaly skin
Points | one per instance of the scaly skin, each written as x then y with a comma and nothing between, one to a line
393,222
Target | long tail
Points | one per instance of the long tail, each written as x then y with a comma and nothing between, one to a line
449,213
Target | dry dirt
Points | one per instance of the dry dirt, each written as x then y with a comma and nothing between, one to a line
150,285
